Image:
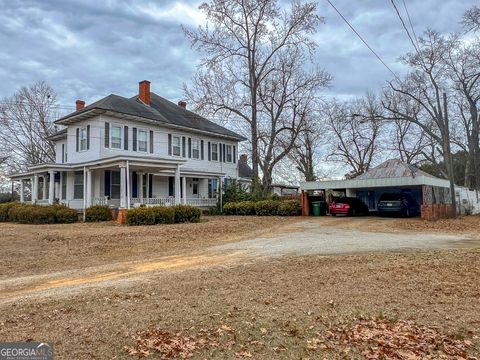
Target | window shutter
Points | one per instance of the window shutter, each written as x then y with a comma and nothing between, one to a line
125,137
234,152
134,139
189,147
63,153
209,151
219,152
150,185
169,144
202,149
77,139
151,142
88,137
224,152
106,183
107,135
183,147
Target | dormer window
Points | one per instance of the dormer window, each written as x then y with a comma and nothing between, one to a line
116,137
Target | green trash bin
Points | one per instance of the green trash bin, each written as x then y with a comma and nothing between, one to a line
316,205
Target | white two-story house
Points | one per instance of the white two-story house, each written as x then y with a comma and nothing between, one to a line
130,151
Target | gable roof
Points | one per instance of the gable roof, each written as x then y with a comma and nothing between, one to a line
392,169
244,170
161,111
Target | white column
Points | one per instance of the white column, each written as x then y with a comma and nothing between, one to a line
22,191
51,187
177,185
123,179
184,187
35,188
88,193
44,193
129,186
220,192
140,185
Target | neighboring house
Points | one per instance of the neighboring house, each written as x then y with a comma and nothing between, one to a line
130,151
285,190
245,172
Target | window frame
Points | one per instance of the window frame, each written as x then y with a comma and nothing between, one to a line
227,146
198,142
112,185
217,145
120,127
83,141
76,174
179,137
146,131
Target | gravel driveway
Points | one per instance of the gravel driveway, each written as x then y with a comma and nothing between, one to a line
309,237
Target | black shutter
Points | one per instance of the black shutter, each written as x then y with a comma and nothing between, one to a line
171,186
151,142
88,137
125,137
106,183
107,135
202,150
189,147
134,184
63,153
169,144
134,139
183,147
224,153
150,185
78,138
234,154
209,151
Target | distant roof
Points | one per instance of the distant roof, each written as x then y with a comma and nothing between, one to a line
244,170
59,134
392,169
161,110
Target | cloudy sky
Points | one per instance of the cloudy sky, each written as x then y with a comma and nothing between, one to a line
87,49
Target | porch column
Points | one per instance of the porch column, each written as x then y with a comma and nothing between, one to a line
22,191
123,179
140,185
44,192
51,187
89,188
177,185
129,186
220,192
35,189
184,187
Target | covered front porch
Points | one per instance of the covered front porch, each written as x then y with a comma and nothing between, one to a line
120,183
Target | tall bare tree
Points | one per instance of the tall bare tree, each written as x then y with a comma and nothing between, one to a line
471,19
242,44
25,124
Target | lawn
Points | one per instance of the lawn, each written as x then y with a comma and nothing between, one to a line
335,307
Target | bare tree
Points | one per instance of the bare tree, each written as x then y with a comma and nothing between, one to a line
25,124
471,19
241,43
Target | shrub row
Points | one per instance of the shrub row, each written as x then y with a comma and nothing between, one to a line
37,214
163,215
97,213
263,208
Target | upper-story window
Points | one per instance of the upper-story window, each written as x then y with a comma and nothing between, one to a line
176,145
214,152
142,140
83,139
228,153
116,137
195,149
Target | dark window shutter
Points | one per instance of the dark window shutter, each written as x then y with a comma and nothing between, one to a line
107,135
125,137
209,151
202,145
134,184
88,137
106,183
150,185
189,147
151,142
78,139
63,153
219,152
224,152
183,147
234,154
169,144
171,186
134,139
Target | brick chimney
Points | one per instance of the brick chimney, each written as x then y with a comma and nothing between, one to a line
243,158
79,104
182,104
144,91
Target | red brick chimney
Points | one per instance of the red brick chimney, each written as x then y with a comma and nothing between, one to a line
243,158
182,104
79,104
144,91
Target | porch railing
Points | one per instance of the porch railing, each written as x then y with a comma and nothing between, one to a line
168,201
200,202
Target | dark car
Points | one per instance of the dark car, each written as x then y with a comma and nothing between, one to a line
348,206
398,203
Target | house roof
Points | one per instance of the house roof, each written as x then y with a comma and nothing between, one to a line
160,110
393,168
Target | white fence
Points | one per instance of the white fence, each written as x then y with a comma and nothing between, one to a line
166,201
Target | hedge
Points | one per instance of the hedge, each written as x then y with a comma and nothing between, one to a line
163,215
263,208
37,214
97,213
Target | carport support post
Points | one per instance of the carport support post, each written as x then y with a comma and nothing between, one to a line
22,191
51,187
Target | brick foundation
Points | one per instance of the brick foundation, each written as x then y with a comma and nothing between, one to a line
434,212
120,216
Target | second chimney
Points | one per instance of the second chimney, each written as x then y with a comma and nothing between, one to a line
243,158
144,91
79,104
182,104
